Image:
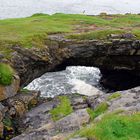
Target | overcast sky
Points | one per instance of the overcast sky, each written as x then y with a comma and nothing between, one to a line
22,8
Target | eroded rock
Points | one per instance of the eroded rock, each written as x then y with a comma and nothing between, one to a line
22,102
11,90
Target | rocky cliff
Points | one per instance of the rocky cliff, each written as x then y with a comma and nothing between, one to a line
117,58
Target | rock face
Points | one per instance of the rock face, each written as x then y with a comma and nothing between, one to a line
38,122
11,90
13,108
32,63
73,121
21,103
120,55
128,101
50,130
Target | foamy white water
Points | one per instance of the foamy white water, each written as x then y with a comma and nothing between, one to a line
23,8
75,79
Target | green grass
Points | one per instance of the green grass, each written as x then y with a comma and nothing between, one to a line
114,96
6,74
63,109
113,127
24,90
32,31
99,34
101,108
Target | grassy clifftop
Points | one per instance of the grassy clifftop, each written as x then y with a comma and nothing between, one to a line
31,31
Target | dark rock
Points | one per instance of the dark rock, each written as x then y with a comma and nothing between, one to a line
119,79
122,53
128,36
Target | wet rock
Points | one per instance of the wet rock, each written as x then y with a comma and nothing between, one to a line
11,90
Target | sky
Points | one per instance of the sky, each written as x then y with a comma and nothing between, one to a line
23,8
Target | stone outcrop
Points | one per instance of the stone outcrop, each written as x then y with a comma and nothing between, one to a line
22,102
118,58
38,123
119,55
56,130
11,90
32,63
127,101
13,108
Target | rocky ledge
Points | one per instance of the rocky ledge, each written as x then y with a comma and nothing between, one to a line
25,115
118,58
38,123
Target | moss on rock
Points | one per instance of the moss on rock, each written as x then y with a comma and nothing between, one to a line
114,96
6,74
63,109
113,127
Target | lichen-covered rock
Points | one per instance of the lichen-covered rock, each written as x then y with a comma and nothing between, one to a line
22,102
11,90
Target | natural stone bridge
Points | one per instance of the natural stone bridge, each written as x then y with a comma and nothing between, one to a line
118,59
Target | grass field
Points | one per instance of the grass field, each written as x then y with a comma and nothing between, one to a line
113,127
31,31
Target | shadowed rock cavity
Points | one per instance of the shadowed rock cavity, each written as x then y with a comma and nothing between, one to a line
119,80
118,60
